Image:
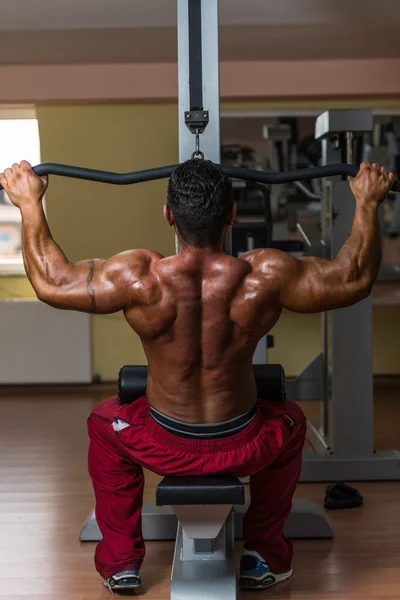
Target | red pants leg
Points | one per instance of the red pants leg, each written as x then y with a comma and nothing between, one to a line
270,447
271,491
118,485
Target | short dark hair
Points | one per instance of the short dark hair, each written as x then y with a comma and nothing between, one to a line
200,198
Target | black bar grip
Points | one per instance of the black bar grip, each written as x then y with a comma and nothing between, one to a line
163,172
298,175
104,176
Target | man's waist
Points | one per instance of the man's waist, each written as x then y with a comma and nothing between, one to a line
205,431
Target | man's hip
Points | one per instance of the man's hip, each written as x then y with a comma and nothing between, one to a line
169,447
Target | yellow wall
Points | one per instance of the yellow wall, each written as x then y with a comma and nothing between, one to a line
15,287
91,220
94,220
298,341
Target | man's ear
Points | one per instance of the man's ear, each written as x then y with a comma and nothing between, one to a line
232,215
168,215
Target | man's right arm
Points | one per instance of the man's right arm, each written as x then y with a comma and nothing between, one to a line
93,286
309,285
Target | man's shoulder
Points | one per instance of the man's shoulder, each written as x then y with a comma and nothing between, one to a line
143,252
262,258
140,255
138,262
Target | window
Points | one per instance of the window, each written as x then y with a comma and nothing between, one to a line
19,140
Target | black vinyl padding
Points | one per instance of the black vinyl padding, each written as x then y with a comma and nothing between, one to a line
220,489
270,380
132,383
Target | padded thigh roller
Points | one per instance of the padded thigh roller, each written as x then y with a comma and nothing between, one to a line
270,380
132,383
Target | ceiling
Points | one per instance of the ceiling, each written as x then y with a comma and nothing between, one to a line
85,14
97,46
121,31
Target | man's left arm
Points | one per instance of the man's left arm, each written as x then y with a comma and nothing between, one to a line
95,286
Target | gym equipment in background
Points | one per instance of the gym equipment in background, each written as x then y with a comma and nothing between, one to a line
341,376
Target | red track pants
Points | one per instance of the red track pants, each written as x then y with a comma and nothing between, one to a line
268,449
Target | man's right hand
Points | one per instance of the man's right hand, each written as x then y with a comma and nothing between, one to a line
372,184
24,188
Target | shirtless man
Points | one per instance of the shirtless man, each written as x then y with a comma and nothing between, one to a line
199,315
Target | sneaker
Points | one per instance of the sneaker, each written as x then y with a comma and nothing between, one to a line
124,580
255,574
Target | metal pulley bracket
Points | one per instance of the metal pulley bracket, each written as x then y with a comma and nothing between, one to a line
196,120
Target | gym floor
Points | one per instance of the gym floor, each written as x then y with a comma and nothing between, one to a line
46,496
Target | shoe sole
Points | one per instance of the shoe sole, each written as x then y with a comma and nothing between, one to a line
118,588
251,583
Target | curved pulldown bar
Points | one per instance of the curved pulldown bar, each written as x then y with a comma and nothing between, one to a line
163,172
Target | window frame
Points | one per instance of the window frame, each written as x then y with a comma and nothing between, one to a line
14,267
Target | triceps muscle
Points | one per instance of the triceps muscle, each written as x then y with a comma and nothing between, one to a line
90,288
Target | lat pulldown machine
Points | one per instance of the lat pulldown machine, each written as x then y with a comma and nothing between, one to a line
204,555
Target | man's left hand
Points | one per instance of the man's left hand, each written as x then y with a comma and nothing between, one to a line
23,186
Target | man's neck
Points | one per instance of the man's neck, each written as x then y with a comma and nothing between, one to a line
200,251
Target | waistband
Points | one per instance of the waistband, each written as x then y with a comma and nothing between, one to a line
203,431
204,446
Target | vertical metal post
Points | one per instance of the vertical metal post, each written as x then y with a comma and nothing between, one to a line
352,407
348,410
326,320
260,356
209,140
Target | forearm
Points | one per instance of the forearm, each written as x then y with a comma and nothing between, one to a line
44,261
360,257
316,284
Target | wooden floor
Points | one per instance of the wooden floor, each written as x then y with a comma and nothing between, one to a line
45,496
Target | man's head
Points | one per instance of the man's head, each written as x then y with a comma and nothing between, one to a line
200,203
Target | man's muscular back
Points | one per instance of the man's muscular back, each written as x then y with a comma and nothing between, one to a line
200,316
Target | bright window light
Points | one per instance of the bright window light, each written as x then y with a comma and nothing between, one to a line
19,140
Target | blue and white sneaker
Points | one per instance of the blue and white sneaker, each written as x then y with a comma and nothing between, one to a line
124,580
255,574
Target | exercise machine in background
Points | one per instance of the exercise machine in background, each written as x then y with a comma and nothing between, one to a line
341,376
254,226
